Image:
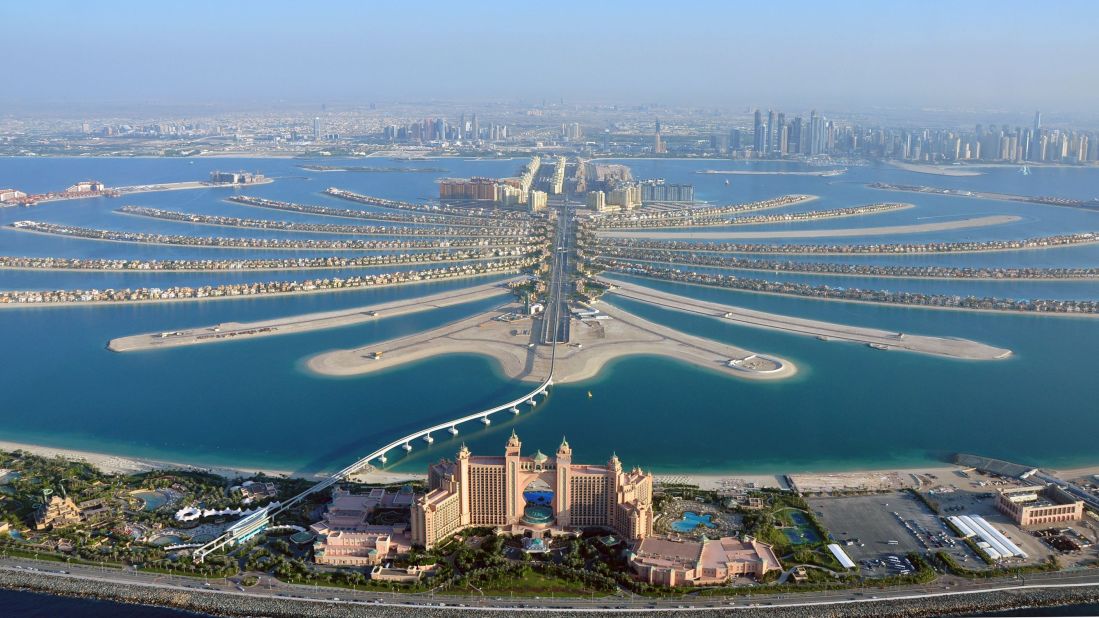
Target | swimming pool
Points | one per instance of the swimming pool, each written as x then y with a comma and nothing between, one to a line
691,520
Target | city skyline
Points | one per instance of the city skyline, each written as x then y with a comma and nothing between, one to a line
967,56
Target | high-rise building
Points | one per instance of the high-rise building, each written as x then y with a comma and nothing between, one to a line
1037,121
659,191
658,142
817,133
759,137
769,146
316,128
537,494
596,200
536,201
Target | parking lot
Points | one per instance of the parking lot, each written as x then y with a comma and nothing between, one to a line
871,529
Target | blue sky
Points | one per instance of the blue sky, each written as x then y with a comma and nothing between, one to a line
1002,55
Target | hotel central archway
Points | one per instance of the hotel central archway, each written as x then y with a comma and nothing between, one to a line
538,498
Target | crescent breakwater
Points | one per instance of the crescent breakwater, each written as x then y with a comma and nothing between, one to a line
260,243
916,228
229,331
847,270
823,292
827,331
328,262
1044,200
1041,242
452,220
694,216
509,232
40,298
373,170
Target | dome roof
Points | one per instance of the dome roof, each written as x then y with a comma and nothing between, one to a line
540,457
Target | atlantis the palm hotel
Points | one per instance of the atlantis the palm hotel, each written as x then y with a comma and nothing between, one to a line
538,497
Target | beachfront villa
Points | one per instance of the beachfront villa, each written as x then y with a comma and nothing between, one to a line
345,536
536,496
667,562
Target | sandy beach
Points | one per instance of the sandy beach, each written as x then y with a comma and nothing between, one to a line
512,345
811,481
228,331
825,331
916,228
120,464
936,170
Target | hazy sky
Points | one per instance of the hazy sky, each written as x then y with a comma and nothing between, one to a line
999,54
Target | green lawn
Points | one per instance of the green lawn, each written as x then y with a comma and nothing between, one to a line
530,585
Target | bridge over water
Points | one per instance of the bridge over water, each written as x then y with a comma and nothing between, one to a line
556,311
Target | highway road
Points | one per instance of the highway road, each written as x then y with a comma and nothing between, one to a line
556,320
943,589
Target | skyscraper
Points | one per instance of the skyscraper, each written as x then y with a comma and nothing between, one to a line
316,128
758,135
1037,121
769,147
778,134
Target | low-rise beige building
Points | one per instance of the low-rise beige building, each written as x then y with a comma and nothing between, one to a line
345,536
1035,505
668,562
56,512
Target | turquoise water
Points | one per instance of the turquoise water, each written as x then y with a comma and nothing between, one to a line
690,521
167,539
251,403
152,500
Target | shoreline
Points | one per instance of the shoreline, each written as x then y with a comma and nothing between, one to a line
110,303
116,463
931,169
426,246
949,347
518,355
824,215
141,271
301,323
440,235
835,274
1034,314
917,228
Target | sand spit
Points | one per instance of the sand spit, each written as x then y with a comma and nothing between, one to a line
513,344
825,233
826,331
302,323
936,170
